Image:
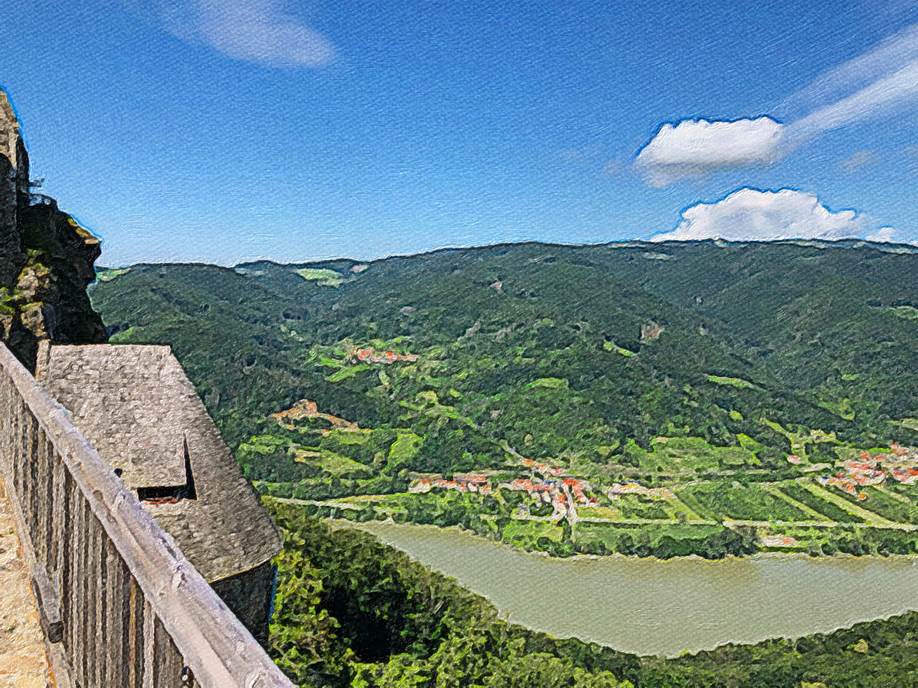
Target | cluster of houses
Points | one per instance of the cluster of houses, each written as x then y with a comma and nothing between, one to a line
564,494
901,465
371,355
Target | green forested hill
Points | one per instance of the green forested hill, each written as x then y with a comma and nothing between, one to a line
540,347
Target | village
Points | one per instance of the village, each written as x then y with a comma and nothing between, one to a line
546,484
899,465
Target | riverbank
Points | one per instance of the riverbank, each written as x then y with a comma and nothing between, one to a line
770,554
651,606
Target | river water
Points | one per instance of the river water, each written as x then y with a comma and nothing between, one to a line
649,606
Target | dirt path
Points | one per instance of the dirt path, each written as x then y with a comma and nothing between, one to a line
23,663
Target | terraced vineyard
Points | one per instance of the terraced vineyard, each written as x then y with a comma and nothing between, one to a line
710,501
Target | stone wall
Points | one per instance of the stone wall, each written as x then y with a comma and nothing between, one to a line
46,259
249,596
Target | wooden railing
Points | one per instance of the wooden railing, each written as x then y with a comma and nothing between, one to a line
117,597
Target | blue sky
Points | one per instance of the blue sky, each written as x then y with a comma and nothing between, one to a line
223,130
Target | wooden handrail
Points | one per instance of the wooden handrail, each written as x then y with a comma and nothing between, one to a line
154,620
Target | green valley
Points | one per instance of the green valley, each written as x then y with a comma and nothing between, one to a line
565,399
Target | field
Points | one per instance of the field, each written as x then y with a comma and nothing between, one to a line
710,501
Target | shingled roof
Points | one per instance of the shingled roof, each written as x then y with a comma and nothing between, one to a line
138,408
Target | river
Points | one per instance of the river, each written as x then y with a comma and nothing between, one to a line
649,606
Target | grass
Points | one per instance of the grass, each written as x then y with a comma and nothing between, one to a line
428,404
743,503
776,491
349,371
634,506
550,383
609,345
677,507
907,312
329,462
125,336
520,532
842,501
798,492
800,440
887,506
357,437
696,507
612,535
606,512
675,455
841,408
737,382
110,274
372,498
405,447
321,276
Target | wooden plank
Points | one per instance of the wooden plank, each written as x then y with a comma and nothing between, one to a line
49,607
59,528
116,617
28,475
135,635
168,661
84,606
45,501
101,653
17,445
70,573
149,645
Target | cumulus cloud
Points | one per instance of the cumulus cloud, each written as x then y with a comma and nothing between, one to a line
755,215
868,86
694,147
882,234
260,31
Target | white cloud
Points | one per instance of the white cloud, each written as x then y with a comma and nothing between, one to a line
883,234
858,159
873,100
884,58
754,215
872,84
694,147
260,31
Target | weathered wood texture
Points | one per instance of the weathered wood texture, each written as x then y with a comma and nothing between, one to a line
127,606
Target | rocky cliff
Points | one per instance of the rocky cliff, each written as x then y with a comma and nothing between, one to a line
46,259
